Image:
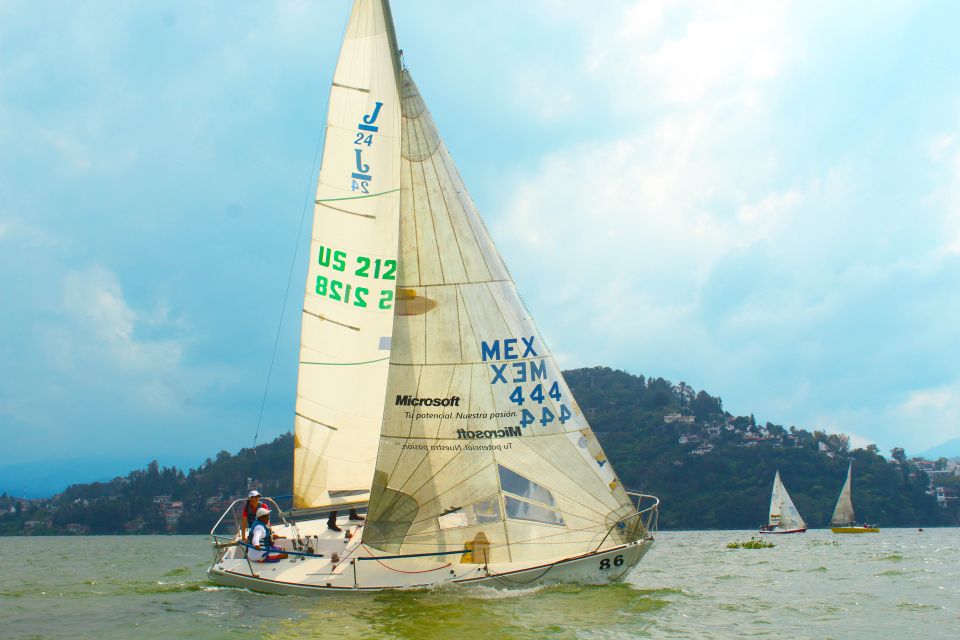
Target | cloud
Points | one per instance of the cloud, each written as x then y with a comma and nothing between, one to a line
944,152
713,231
99,318
935,412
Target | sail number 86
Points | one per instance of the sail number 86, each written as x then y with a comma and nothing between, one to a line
617,562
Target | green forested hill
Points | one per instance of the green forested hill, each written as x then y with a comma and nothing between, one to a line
729,486
720,478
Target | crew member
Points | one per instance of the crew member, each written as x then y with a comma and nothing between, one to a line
261,540
250,508
332,520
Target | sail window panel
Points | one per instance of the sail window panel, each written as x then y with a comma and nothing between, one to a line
495,264
482,512
431,271
473,258
522,510
451,256
442,325
574,481
513,482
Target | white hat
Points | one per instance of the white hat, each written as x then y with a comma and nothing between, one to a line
263,511
253,494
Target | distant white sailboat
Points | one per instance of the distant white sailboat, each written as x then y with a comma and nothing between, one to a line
783,517
844,520
425,390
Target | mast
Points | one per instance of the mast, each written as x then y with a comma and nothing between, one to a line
349,299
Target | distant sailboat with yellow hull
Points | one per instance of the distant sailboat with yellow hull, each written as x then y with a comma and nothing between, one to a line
843,520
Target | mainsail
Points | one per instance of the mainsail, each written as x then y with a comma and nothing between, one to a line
348,307
783,513
482,445
843,512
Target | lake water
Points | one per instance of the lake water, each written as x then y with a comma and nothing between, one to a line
896,584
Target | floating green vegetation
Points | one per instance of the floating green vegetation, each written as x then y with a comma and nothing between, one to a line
752,543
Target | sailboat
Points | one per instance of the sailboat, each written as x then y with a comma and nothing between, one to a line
843,520
426,395
784,517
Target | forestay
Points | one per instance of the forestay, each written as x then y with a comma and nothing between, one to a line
348,308
483,445
843,512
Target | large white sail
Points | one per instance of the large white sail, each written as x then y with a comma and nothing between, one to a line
789,515
774,518
482,443
348,307
843,512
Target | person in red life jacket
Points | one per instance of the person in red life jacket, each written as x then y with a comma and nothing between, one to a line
332,520
261,540
250,508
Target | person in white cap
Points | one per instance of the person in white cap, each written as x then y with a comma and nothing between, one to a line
250,510
261,539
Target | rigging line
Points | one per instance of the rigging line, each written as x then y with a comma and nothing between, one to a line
286,293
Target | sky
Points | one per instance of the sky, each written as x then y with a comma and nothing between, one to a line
759,199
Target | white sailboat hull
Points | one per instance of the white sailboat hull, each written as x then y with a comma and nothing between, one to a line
357,569
779,530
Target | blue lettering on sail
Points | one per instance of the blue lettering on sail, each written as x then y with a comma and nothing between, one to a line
367,124
362,169
361,178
